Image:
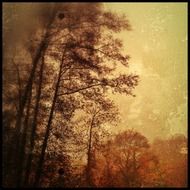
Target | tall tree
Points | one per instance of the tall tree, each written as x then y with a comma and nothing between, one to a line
102,113
84,64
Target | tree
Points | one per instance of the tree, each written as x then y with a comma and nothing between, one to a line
101,113
122,160
132,145
172,154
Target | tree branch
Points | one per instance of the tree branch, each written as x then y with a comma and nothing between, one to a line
80,89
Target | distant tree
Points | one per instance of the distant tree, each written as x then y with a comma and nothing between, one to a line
125,161
172,153
130,146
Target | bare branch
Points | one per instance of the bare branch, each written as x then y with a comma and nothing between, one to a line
80,89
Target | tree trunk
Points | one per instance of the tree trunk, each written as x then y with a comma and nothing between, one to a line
42,47
12,151
29,86
23,143
89,154
48,128
34,125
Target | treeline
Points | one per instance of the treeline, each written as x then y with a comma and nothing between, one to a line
129,160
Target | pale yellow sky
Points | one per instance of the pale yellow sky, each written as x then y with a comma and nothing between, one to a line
158,47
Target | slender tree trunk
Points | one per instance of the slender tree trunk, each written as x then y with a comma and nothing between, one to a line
23,143
48,128
42,47
134,181
34,125
29,86
89,154
12,151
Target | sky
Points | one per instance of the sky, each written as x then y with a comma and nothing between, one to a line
158,49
